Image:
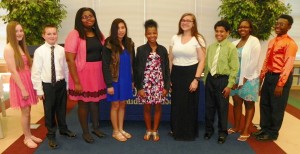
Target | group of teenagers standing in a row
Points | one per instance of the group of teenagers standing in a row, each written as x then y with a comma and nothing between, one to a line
96,68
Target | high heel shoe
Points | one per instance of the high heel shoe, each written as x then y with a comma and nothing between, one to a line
147,135
155,136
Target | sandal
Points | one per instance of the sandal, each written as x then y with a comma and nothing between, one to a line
231,131
119,136
243,138
29,143
155,136
35,139
147,135
98,133
127,135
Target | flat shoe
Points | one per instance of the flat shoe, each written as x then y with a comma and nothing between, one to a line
170,133
257,133
29,143
99,133
155,136
127,135
88,138
35,139
243,138
147,135
52,143
231,131
68,133
221,139
118,136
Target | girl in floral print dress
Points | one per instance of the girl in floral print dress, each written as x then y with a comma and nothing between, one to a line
152,78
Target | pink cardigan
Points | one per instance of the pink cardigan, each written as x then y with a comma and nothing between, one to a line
74,44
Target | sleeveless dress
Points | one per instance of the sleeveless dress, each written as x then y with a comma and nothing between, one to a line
153,81
249,90
123,87
15,94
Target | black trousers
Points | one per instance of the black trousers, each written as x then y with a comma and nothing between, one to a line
55,107
216,103
272,108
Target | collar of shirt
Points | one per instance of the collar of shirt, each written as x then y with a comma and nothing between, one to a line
282,37
222,43
48,45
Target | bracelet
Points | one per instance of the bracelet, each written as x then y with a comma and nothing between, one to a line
197,78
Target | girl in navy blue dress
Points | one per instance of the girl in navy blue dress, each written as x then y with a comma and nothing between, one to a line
118,55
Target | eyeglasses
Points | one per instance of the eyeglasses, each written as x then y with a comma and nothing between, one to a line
186,20
243,27
280,24
87,17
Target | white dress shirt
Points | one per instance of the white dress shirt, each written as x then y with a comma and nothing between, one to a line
41,67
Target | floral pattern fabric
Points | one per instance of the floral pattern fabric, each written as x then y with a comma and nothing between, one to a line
153,81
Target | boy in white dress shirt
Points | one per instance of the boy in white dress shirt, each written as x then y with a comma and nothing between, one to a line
49,77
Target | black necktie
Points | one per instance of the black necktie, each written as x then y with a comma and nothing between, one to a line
53,75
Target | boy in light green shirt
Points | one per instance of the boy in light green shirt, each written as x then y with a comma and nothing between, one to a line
221,69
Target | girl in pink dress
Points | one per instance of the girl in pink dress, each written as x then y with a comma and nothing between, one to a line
83,47
22,94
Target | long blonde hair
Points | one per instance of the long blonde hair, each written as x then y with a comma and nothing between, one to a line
12,39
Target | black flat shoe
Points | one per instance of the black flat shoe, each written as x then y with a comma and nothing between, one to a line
265,137
99,133
207,136
68,133
88,138
52,143
221,139
170,133
257,133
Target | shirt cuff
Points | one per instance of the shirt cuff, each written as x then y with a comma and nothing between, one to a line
229,85
40,92
280,84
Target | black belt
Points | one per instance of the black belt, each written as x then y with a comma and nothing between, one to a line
61,80
272,73
219,75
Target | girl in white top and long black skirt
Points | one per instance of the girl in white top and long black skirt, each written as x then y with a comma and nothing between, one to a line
187,55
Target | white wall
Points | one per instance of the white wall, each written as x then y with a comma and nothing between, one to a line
165,12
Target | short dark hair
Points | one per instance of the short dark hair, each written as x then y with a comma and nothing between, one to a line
287,17
150,23
223,23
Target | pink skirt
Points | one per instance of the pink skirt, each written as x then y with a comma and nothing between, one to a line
15,94
92,83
